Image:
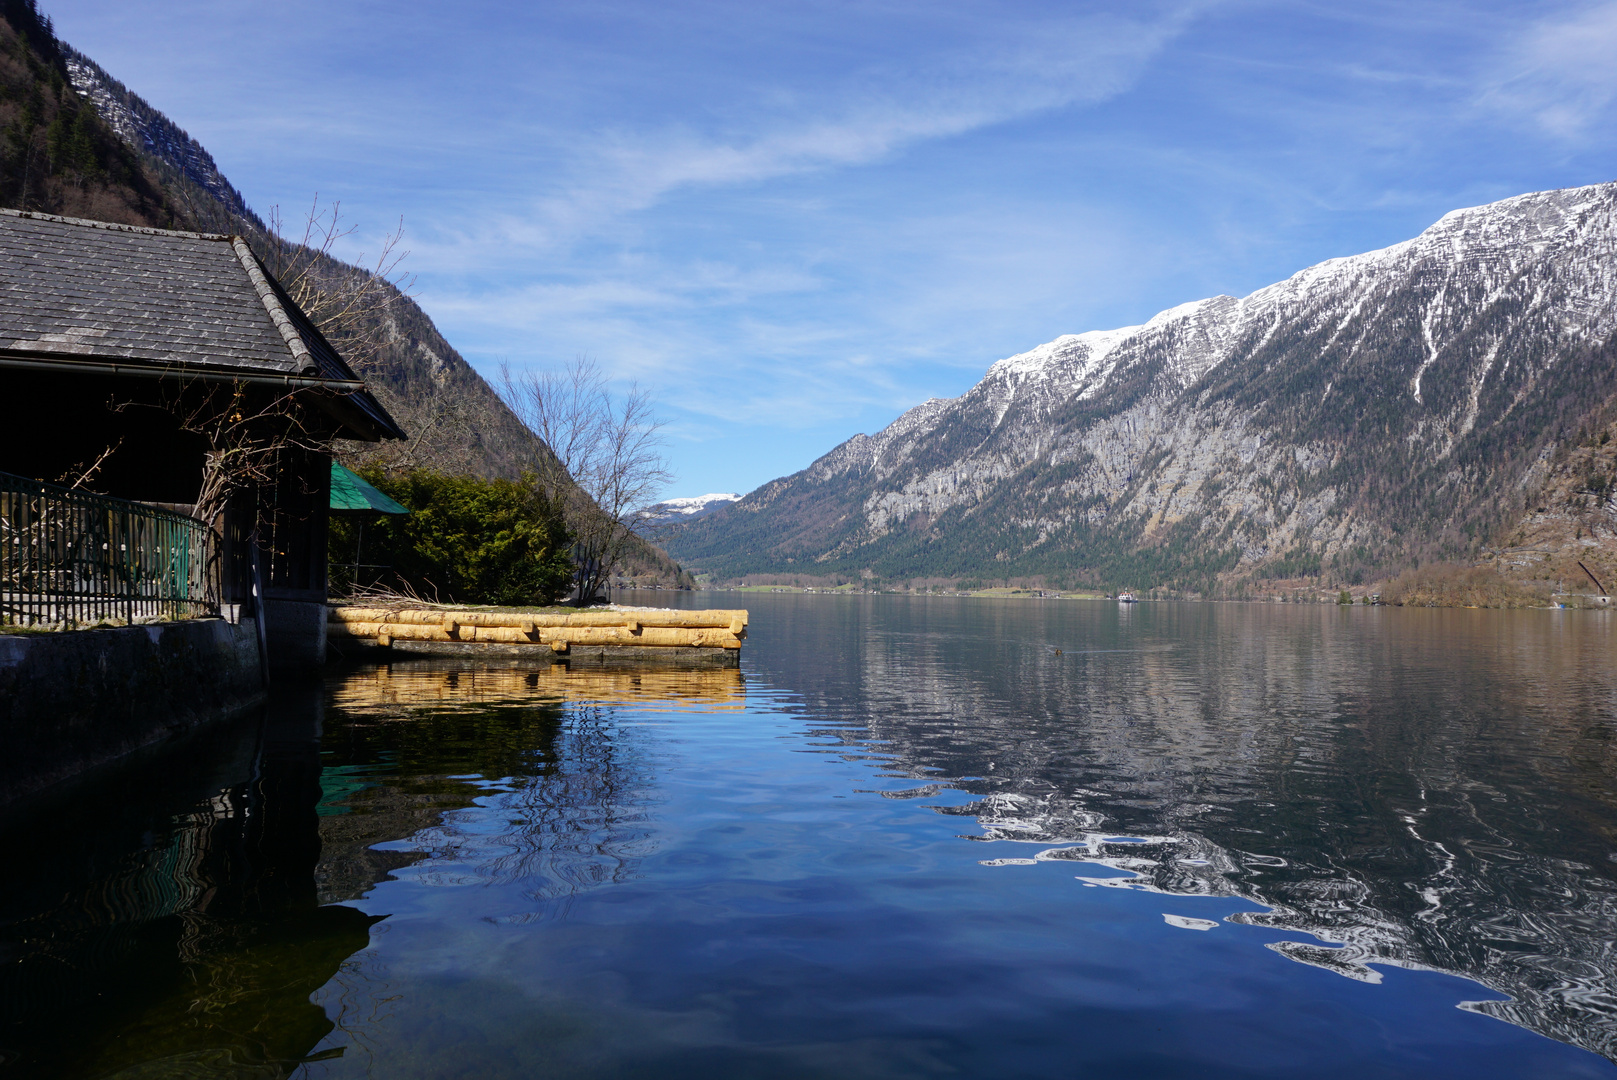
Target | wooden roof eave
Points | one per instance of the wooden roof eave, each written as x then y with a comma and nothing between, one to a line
343,400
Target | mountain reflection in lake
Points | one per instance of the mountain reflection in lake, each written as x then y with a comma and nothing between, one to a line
913,837
1413,788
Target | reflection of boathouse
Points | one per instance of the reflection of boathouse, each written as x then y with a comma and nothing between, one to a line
177,917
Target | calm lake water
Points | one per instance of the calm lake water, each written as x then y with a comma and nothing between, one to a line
912,837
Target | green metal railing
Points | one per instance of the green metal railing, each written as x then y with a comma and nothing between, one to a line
72,558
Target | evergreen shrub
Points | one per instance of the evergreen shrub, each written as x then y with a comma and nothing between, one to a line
465,540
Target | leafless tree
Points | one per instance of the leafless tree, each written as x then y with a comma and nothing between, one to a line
605,466
246,435
356,307
246,430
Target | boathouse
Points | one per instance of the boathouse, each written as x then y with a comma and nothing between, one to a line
130,355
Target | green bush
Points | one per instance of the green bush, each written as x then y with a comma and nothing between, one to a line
465,540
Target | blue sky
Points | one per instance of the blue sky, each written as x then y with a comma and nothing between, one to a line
793,221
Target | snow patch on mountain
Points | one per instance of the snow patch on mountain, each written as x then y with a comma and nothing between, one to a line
144,128
695,504
1339,412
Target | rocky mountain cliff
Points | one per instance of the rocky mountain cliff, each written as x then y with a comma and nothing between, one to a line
147,131
1369,412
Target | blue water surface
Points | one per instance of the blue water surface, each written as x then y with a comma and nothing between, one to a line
910,838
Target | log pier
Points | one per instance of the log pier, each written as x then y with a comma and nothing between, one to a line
626,636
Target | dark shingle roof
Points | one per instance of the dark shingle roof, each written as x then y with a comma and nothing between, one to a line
92,291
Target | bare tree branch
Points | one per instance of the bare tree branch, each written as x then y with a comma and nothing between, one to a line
351,304
81,474
605,466
245,435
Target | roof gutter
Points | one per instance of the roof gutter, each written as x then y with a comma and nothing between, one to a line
36,363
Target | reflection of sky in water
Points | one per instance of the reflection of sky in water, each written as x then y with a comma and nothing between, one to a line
909,839
686,887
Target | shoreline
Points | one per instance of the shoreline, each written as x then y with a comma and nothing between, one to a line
1579,601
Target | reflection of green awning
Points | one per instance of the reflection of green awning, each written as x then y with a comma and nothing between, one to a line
352,495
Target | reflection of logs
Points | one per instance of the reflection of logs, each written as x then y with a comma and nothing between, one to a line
653,629
374,691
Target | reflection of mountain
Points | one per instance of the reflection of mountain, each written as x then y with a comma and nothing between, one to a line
1428,789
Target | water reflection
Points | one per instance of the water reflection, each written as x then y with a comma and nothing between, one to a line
164,922
412,689
1417,789
175,917
598,873
421,740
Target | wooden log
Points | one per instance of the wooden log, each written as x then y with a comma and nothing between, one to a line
654,636
735,621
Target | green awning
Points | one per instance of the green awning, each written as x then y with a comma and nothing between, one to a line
350,494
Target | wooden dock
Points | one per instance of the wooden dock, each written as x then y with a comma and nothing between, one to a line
628,636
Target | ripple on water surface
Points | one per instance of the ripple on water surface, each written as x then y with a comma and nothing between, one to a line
911,837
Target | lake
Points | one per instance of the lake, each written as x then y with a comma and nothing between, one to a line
911,837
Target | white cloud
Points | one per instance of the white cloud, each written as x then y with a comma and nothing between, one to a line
593,182
1563,73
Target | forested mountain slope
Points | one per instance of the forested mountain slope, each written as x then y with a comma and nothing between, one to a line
56,156
1366,413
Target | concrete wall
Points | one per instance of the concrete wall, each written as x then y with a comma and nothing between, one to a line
70,701
295,631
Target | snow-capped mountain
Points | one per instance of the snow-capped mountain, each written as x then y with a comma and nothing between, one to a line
695,504
691,507
1400,403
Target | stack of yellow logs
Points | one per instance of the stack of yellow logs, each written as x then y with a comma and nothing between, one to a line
646,628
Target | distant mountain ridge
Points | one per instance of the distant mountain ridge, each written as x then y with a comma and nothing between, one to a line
1399,405
693,507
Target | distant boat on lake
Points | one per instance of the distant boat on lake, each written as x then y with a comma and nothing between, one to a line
1125,598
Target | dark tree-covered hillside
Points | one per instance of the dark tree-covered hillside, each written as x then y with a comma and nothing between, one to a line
57,155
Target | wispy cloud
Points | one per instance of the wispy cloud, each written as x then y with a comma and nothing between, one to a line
865,117
1563,73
